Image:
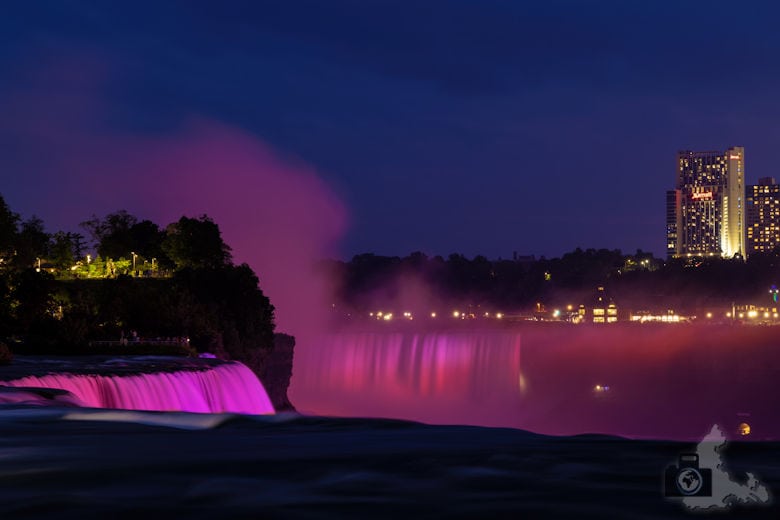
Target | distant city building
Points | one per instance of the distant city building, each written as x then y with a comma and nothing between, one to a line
672,205
763,216
705,213
604,309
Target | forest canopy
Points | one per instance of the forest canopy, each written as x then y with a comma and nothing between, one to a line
173,285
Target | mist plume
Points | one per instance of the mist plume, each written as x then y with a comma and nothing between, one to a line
275,212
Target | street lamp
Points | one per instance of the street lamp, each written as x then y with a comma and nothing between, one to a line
773,291
134,257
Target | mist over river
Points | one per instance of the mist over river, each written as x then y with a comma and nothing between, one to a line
638,381
61,458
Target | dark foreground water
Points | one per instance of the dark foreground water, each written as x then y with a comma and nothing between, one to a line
82,463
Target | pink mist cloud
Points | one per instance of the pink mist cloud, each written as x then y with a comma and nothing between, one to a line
276,213
278,216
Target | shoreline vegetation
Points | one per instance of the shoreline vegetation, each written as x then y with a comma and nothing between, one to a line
144,283
433,288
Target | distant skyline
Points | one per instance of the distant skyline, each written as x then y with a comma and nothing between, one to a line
477,127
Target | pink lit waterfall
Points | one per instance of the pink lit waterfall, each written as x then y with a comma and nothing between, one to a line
230,387
450,377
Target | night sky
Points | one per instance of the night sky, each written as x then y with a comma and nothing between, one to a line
480,127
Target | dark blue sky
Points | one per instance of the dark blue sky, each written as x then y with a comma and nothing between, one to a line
482,127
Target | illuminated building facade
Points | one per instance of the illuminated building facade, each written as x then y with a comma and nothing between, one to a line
763,216
604,309
705,213
672,203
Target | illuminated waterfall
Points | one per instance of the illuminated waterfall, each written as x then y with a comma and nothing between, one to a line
648,382
432,377
229,387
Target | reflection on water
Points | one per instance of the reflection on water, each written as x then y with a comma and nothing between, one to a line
640,382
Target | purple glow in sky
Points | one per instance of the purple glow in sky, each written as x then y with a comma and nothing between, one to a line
480,127
275,212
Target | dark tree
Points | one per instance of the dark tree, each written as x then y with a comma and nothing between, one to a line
79,245
32,243
121,235
196,243
61,251
112,234
9,222
33,297
146,239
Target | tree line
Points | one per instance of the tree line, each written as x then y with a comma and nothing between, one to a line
173,282
638,280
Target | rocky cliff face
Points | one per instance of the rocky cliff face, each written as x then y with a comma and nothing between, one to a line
276,371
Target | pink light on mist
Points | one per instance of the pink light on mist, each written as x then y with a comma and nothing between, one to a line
671,382
278,217
276,213
463,377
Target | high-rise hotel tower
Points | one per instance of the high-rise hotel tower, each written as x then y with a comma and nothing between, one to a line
705,213
763,216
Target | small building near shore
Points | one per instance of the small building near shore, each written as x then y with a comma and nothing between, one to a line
604,309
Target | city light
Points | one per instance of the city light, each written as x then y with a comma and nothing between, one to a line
750,313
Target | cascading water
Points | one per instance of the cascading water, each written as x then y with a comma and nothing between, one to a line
227,387
431,377
642,382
